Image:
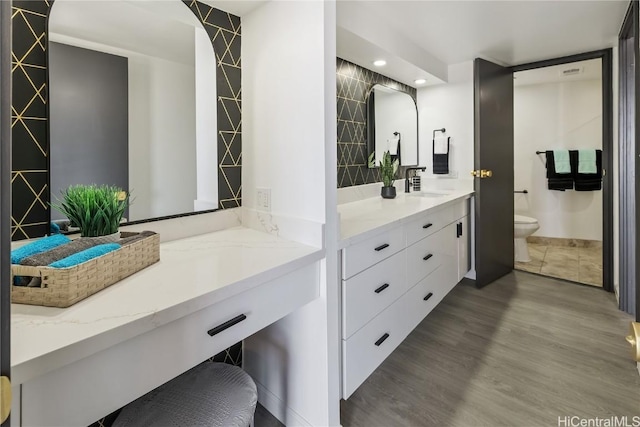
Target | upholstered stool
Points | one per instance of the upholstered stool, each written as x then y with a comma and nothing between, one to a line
211,394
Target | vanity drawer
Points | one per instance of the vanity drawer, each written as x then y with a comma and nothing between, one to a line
429,253
371,251
368,293
428,224
428,293
363,352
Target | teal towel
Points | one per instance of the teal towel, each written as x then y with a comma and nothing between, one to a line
561,161
86,255
587,161
37,247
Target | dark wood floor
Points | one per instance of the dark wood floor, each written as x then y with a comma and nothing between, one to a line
523,351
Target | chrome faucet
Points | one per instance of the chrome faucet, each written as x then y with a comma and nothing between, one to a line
406,177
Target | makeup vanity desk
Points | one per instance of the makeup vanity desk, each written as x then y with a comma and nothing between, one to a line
73,366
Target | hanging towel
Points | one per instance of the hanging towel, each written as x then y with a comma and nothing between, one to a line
441,145
393,145
441,156
557,181
86,255
587,181
587,161
562,164
39,246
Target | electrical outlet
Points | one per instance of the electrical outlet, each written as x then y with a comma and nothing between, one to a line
263,199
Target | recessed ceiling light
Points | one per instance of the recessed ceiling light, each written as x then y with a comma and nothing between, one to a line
420,81
380,63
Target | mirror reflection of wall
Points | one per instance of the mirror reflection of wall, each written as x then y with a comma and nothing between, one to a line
169,162
394,119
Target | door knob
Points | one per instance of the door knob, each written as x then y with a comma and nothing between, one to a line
482,173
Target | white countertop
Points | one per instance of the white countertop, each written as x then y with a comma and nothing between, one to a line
192,274
365,218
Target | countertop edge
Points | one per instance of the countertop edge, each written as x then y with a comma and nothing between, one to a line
351,240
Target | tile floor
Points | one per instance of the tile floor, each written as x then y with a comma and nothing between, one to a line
583,265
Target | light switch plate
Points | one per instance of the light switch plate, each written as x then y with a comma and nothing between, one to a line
263,199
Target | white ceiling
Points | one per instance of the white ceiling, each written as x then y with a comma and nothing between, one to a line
506,32
589,70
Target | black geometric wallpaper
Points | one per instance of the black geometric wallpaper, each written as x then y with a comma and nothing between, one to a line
353,84
29,112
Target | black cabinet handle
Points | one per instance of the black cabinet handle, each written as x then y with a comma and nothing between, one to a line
427,225
226,325
382,339
427,257
429,295
459,229
382,288
381,247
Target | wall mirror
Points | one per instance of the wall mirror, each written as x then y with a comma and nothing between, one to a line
392,125
132,92
174,112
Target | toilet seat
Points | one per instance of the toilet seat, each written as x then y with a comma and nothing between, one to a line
521,219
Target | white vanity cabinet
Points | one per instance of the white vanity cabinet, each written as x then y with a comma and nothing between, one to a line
392,281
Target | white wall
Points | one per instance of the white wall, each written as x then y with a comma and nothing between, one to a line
206,123
548,116
449,106
289,146
157,90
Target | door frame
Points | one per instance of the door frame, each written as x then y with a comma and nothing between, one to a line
606,55
5,190
630,30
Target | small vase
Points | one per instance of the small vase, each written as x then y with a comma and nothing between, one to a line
388,192
110,238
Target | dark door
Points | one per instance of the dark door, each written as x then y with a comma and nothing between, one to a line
5,203
493,123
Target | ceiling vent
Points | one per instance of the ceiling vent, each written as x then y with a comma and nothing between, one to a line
572,71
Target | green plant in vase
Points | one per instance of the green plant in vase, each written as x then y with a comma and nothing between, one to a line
388,169
96,210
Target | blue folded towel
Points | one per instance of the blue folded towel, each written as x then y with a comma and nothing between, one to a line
86,255
587,161
37,247
561,161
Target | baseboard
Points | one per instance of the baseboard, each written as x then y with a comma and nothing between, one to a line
279,409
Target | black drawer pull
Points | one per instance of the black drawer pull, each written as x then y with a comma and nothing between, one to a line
382,288
381,247
382,339
427,225
429,295
459,229
226,325
427,257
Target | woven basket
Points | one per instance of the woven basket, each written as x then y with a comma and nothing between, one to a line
63,287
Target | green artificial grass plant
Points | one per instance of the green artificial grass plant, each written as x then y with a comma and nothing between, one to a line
96,210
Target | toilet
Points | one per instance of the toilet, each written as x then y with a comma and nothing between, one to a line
523,226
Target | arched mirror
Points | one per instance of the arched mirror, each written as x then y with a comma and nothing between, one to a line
392,125
132,92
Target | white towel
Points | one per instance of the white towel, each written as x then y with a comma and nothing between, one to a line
441,145
392,146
